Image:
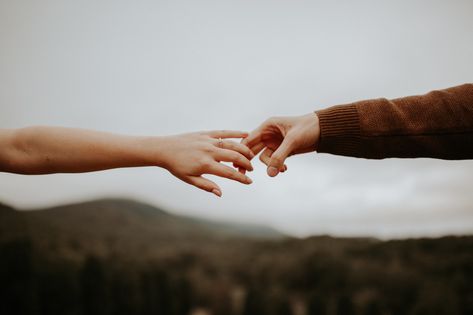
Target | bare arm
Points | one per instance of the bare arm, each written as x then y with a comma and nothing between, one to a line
45,150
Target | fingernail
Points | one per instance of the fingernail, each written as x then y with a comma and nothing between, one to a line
248,180
252,154
272,171
217,192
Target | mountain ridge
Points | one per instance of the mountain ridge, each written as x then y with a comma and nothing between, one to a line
119,226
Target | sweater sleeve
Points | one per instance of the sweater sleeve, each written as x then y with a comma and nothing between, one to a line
436,125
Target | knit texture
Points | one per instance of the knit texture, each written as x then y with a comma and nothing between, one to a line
436,125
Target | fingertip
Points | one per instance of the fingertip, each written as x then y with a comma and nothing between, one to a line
217,192
272,171
242,134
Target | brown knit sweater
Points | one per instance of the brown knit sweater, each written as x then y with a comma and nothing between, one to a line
437,125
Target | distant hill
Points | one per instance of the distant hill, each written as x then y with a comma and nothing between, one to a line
119,226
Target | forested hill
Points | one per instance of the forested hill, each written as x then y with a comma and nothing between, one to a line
117,256
120,226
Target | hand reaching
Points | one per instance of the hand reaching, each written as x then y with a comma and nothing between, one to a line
189,156
48,150
280,137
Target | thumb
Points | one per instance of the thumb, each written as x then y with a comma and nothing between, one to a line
279,156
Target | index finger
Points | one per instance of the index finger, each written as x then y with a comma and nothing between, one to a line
228,134
253,138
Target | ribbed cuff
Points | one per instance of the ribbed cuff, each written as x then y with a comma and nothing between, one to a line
339,130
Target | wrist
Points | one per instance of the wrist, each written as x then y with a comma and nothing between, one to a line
152,152
309,132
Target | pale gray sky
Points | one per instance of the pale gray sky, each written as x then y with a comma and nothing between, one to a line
165,67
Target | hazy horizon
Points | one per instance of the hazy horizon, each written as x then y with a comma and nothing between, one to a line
159,67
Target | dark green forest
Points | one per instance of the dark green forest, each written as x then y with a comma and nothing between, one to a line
124,257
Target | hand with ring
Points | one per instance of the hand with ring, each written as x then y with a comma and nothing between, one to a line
48,150
189,156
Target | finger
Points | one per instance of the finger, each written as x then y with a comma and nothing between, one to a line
205,184
255,151
228,172
253,138
265,157
279,156
257,148
227,134
243,171
235,146
235,157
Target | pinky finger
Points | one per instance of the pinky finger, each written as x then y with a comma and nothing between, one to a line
205,184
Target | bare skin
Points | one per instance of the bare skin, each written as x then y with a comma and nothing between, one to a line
280,137
47,150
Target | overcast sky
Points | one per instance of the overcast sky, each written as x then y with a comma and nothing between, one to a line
166,67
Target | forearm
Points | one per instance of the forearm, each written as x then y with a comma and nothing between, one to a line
44,150
438,125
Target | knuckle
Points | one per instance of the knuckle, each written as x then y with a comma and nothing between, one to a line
276,160
207,149
205,164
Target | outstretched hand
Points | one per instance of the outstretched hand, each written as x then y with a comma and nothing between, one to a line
189,156
281,137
